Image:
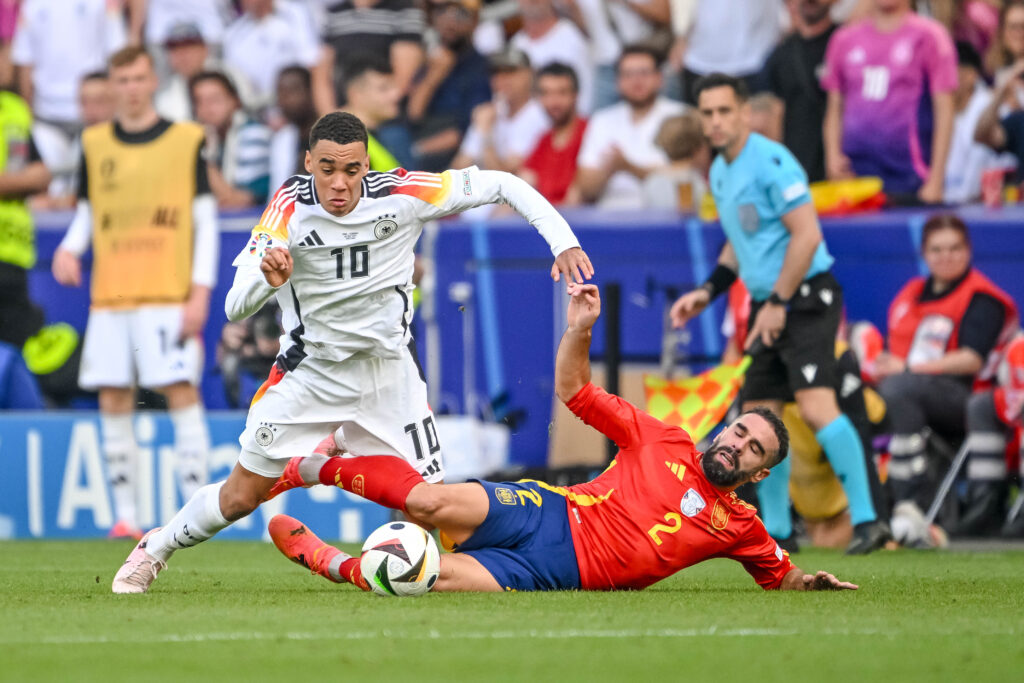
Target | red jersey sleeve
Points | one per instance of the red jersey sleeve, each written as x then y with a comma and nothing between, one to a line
618,419
761,556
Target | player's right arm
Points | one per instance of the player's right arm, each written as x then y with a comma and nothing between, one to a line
691,304
265,264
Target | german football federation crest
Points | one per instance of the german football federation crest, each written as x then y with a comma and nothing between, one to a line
265,434
692,503
385,227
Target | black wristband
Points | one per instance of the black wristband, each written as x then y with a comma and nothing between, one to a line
776,300
721,279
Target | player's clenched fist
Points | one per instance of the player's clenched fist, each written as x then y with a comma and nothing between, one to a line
277,266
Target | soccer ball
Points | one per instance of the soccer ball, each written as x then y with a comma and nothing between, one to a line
401,559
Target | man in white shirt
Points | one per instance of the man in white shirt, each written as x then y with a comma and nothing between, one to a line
336,248
619,147
504,131
968,159
269,36
545,38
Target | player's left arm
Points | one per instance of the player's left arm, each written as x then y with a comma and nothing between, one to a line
941,64
205,254
789,196
771,567
471,187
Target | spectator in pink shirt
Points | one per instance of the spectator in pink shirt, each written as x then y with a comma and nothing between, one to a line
878,73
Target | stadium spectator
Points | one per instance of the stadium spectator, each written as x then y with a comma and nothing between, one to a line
289,143
161,16
1001,123
454,80
505,130
245,350
609,27
551,165
945,332
993,420
386,30
683,183
188,55
766,113
792,74
545,38
53,49
354,368
728,37
96,102
968,159
1009,50
590,536
877,71
619,147
22,174
372,97
267,37
8,23
145,207
237,145
774,245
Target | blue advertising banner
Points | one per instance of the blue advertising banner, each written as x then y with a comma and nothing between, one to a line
55,485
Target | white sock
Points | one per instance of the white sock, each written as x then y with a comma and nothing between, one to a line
309,468
334,568
121,454
191,447
199,520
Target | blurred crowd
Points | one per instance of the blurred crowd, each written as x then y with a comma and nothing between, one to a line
589,100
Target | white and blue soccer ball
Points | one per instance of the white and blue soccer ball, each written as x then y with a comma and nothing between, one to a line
400,559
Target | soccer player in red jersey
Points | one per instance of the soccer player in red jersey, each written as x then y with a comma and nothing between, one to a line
660,506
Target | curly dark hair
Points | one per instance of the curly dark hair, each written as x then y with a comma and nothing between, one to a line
338,126
778,426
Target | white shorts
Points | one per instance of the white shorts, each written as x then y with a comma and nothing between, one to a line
138,346
378,404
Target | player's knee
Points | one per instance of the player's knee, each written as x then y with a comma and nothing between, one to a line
236,503
427,502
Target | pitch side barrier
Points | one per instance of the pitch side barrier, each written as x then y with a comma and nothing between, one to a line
647,252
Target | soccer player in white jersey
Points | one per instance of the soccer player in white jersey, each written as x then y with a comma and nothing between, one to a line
336,248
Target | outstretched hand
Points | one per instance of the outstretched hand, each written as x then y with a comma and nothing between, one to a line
688,306
575,264
277,266
823,581
584,306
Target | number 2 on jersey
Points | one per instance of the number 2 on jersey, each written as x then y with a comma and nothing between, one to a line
677,524
358,261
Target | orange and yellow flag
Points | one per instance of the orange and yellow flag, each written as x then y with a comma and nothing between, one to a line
695,403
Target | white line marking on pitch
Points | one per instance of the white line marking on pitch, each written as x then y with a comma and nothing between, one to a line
440,635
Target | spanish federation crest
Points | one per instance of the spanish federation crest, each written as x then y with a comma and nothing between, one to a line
385,227
692,503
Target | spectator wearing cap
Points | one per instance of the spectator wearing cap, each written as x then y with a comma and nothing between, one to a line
551,166
267,37
968,159
237,146
505,130
188,54
547,38
161,16
454,80
385,30
619,147
53,49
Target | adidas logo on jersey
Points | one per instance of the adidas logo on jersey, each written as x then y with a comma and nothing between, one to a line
676,469
312,240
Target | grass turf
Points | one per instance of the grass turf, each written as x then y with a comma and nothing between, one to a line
239,611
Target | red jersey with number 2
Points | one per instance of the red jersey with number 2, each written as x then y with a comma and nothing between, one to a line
652,512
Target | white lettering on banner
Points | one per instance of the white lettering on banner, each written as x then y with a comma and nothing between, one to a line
324,494
268,509
168,491
145,431
350,526
84,457
34,451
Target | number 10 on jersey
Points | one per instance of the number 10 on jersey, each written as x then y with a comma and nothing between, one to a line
357,263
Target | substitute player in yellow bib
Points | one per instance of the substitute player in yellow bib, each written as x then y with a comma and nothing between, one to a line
146,209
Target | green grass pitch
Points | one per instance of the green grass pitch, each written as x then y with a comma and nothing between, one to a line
239,611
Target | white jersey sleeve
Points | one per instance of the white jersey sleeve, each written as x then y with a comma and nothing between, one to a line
250,290
444,194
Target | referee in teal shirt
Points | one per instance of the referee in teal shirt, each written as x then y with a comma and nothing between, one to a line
774,245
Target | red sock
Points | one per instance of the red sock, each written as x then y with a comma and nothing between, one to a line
353,574
383,479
